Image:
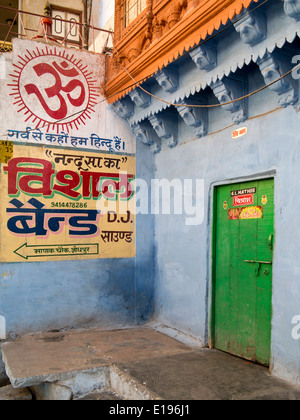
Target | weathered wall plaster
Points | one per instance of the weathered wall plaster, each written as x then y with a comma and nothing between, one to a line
183,272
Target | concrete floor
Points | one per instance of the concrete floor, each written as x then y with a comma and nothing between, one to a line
157,363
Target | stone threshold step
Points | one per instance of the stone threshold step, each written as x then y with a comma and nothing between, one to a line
110,383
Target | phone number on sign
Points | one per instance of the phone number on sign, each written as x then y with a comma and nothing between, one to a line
62,205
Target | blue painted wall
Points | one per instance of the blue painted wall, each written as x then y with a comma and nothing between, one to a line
171,274
69,294
145,241
45,296
183,271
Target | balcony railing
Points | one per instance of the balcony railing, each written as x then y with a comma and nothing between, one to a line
29,32
5,47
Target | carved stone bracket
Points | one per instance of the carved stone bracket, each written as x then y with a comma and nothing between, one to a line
292,8
205,56
252,27
229,89
144,133
167,79
140,98
166,127
194,117
124,108
272,67
156,147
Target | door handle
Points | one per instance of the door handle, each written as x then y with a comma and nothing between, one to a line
270,241
258,264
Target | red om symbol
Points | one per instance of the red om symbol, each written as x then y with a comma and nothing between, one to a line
57,88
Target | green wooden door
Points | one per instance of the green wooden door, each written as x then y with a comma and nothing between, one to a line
243,233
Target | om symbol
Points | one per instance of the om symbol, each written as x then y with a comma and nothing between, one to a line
57,90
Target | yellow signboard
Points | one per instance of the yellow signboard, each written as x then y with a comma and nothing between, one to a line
61,204
6,151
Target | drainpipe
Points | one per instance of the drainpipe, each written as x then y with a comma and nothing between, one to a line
20,7
86,29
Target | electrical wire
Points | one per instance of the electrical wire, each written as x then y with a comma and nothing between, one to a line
135,83
296,68
49,124
223,103
188,52
248,13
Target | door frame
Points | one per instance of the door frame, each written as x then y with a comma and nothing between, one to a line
212,226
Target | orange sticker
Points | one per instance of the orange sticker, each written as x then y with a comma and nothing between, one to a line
264,200
245,213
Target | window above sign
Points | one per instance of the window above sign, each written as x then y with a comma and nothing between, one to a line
131,9
65,26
